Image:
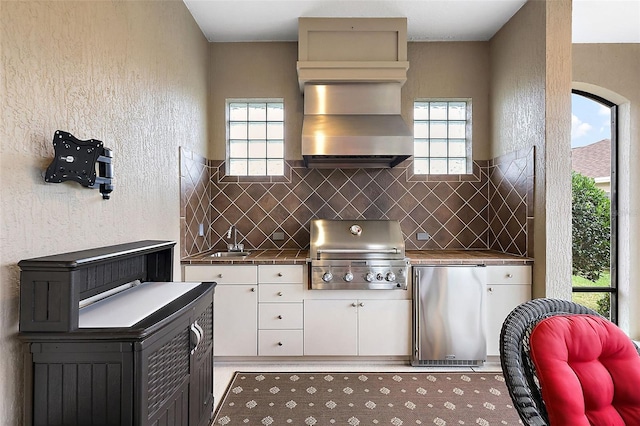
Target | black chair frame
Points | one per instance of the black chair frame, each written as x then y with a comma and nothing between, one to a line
518,370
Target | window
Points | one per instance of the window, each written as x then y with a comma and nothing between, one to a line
594,165
255,137
442,137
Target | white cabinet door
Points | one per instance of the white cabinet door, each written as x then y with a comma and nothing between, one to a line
235,320
330,327
371,327
384,327
508,286
235,306
501,299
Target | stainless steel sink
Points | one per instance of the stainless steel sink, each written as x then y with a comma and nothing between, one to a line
230,254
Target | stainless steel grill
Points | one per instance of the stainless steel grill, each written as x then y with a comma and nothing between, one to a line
357,255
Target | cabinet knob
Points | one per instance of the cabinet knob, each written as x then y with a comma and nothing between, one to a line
279,293
279,316
361,304
253,289
354,304
279,343
219,275
279,274
490,289
509,275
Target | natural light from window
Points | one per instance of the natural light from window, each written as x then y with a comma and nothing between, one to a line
441,137
593,225
255,138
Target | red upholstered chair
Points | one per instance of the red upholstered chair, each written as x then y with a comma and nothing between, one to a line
565,365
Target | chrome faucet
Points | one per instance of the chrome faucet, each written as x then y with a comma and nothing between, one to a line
235,246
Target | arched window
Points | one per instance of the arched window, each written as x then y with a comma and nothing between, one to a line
594,203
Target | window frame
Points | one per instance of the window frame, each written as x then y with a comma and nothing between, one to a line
229,121
468,135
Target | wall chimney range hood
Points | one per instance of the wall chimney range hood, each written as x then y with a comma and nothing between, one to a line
351,71
354,125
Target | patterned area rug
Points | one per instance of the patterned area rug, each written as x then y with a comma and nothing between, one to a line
354,399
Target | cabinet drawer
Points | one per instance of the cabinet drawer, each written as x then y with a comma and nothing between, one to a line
222,274
280,343
280,273
509,274
280,293
278,316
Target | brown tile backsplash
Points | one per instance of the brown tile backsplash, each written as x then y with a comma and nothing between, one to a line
488,209
195,197
511,203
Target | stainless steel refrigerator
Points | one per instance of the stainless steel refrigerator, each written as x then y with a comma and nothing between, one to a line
448,315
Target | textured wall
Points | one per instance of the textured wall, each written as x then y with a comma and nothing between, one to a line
529,83
451,70
611,71
132,74
259,70
557,158
255,70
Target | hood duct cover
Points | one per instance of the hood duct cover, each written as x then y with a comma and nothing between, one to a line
354,125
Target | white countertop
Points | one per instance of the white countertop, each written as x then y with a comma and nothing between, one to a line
129,307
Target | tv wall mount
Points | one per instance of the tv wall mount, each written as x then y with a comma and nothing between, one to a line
76,160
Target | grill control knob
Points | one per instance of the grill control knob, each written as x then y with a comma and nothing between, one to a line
391,276
369,277
348,277
327,276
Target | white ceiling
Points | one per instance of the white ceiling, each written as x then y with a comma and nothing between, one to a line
594,21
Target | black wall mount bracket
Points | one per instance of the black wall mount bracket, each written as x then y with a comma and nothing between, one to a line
76,160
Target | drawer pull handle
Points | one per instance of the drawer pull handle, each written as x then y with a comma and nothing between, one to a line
279,293
279,274
279,343
279,316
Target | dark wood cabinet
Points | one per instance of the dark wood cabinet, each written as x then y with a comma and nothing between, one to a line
158,371
176,372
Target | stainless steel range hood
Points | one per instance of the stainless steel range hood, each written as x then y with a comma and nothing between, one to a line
354,125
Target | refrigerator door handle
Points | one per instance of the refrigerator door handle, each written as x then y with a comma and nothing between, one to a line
416,317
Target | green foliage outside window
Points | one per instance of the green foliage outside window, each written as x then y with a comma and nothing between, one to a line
591,228
591,240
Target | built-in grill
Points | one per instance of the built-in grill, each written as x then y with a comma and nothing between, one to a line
357,255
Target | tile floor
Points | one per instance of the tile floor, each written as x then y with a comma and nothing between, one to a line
223,370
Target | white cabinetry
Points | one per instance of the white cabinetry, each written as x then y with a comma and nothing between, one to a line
507,287
235,307
280,318
384,327
357,327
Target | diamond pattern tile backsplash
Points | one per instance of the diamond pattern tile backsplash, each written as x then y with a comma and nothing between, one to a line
489,209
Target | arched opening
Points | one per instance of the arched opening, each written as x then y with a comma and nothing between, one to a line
594,203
